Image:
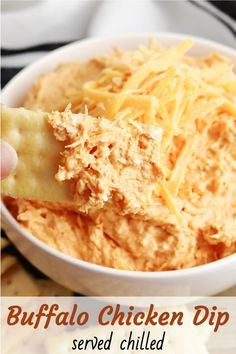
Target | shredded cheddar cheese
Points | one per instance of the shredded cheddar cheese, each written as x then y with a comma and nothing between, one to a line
178,173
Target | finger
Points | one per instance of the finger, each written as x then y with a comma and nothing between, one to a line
8,159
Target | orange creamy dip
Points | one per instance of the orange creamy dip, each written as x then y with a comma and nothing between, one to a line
193,102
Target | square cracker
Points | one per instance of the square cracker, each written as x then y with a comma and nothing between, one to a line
38,154
48,287
17,282
4,243
7,262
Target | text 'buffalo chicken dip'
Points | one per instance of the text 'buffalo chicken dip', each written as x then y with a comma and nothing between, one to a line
159,184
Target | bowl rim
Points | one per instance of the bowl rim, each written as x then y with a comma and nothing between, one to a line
142,35
85,264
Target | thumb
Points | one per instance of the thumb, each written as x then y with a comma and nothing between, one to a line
8,159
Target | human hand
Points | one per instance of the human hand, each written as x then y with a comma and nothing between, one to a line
8,159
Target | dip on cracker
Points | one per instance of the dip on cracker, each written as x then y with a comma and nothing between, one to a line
101,169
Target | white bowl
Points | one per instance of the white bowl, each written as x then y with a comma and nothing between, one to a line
87,278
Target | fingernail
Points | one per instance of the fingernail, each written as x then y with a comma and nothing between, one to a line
9,159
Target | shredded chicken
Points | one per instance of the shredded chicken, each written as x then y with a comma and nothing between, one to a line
109,162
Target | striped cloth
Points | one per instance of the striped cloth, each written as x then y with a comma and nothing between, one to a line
30,29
